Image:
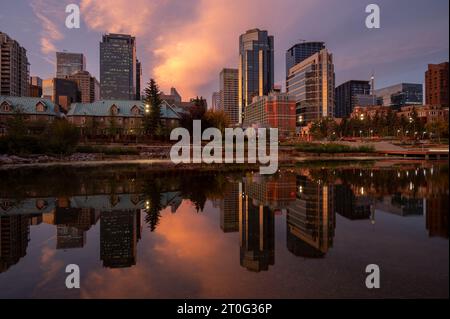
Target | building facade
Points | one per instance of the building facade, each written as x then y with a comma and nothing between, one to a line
215,101
35,89
275,110
68,63
301,51
436,84
229,96
14,67
311,82
347,94
256,66
88,86
138,79
402,94
118,67
63,92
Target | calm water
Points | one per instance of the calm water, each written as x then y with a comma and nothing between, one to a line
308,232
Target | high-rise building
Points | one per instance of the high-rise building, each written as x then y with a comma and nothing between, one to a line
68,63
256,66
35,89
436,84
118,67
301,51
215,99
230,207
138,79
229,96
88,86
347,96
276,110
14,67
399,95
312,83
14,238
63,92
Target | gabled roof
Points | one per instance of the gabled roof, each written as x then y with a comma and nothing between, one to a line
125,107
27,105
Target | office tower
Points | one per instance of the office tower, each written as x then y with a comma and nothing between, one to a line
119,232
256,66
437,215
348,95
68,63
138,79
63,92
436,84
311,219
88,86
229,96
312,83
276,110
230,207
118,67
215,99
300,51
14,67
14,238
35,89
399,95
257,234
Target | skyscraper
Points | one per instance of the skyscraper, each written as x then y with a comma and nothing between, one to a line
229,86
301,51
88,86
118,67
312,83
436,84
138,79
215,99
347,96
14,67
256,66
68,63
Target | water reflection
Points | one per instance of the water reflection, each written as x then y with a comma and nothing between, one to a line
129,201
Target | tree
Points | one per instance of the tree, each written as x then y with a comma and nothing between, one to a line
152,109
438,128
217,119
61,137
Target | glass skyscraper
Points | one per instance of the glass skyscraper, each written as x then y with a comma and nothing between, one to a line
401,94
300,51
118,67
68,64
256,66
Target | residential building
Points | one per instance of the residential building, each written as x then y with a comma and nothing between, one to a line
118,67
402,94
125,117
311,82
14,67
436,84
68,63
63,92
350,94
88,86
276,110
301,51
369,111
256,66
425,113
36,110
229,94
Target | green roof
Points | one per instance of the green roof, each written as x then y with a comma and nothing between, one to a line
27,105
125,107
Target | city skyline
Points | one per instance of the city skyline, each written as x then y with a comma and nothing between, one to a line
165,50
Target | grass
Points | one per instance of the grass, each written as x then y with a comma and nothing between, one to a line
331,148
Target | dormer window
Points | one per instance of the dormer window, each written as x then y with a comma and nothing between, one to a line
114,110
5,107
135,110
40,107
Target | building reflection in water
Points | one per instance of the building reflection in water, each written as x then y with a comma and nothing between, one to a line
310,219
248,205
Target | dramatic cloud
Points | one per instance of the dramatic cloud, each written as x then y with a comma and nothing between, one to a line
50,33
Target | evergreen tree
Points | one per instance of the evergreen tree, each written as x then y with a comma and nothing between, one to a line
152,109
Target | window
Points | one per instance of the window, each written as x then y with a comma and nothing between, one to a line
5,107
40,107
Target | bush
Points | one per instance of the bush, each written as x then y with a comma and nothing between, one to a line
331,148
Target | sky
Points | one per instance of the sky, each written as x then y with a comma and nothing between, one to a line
186,43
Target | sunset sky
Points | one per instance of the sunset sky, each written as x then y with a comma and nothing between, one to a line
185,43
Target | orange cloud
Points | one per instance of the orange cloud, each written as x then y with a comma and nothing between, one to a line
50,33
